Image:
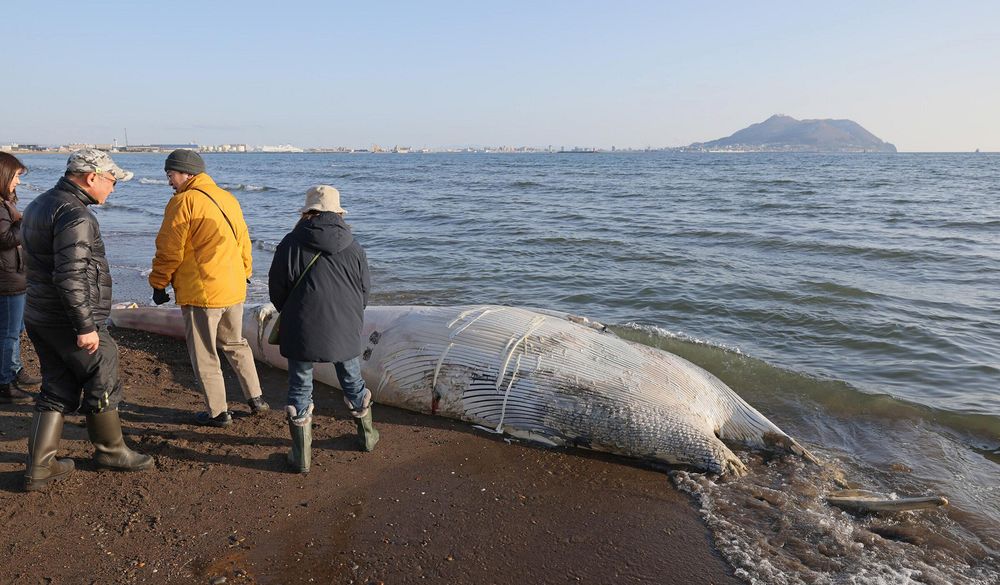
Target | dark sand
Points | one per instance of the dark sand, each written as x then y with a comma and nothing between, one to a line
437,502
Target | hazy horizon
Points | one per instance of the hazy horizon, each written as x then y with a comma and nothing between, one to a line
443,74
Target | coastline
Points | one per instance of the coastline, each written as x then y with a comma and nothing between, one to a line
437,501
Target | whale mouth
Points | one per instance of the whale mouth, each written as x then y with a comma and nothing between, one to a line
782,442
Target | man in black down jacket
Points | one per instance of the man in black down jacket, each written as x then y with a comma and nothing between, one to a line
321,316
69,300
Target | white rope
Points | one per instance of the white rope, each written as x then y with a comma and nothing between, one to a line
512,344
437,368
465,314
503,409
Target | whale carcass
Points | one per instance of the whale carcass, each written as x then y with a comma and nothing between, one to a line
541,376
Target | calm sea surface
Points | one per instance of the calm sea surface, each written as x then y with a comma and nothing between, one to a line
853,299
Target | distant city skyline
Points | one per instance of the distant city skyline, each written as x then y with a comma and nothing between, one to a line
449,75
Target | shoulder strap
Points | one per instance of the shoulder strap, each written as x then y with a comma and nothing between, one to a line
224,216
303,275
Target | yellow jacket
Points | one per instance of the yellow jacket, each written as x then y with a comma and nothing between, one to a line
196,250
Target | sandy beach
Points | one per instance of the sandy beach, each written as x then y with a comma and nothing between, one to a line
438,501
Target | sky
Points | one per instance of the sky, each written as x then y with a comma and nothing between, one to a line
921,75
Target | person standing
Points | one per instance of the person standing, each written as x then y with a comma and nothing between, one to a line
69,300
319,281
203,250
13,284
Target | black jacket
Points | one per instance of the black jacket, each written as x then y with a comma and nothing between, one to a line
12,280
69,283
321,319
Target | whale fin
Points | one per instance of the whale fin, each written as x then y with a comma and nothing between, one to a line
864,501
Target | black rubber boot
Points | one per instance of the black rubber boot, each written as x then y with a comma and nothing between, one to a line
111,452
300,427
43,467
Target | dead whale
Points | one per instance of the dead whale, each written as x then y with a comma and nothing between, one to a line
551,378
541,376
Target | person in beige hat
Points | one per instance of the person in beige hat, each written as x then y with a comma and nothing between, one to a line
319,281
323,198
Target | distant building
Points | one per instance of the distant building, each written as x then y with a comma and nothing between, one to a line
281,148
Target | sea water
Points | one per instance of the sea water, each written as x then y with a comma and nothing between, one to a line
852,299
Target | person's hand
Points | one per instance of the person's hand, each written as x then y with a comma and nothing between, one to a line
15,215
160,296
88,341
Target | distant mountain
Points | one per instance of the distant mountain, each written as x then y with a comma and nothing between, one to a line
786,134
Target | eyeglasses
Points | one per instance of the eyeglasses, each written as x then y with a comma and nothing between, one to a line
110,177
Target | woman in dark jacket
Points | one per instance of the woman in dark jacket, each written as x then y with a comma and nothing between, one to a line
321,315
13,285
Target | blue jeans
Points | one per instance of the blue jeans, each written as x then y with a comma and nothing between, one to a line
12,321
300,383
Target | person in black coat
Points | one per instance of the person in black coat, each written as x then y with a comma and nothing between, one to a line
319,281
69,300
13,377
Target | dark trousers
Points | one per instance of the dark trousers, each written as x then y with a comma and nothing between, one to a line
72,379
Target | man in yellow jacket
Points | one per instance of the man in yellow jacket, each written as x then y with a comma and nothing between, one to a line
203,250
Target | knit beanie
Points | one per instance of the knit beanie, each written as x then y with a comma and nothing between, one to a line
185,161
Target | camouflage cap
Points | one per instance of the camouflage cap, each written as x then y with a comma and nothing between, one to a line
91,160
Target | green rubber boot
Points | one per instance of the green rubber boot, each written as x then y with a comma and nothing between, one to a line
367,433
110,450
300,427
43,467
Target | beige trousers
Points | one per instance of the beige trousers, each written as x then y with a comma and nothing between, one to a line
210,330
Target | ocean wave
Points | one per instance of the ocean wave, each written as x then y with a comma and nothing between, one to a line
647,331
149,181
547,241
976,225
132,208
775,182
245,187
785,244
264,245
840,290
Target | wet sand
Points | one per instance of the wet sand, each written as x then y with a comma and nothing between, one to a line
438,501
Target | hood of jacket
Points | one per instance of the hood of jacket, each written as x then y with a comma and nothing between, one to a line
326,232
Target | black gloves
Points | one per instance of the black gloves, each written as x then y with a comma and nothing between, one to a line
160,296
